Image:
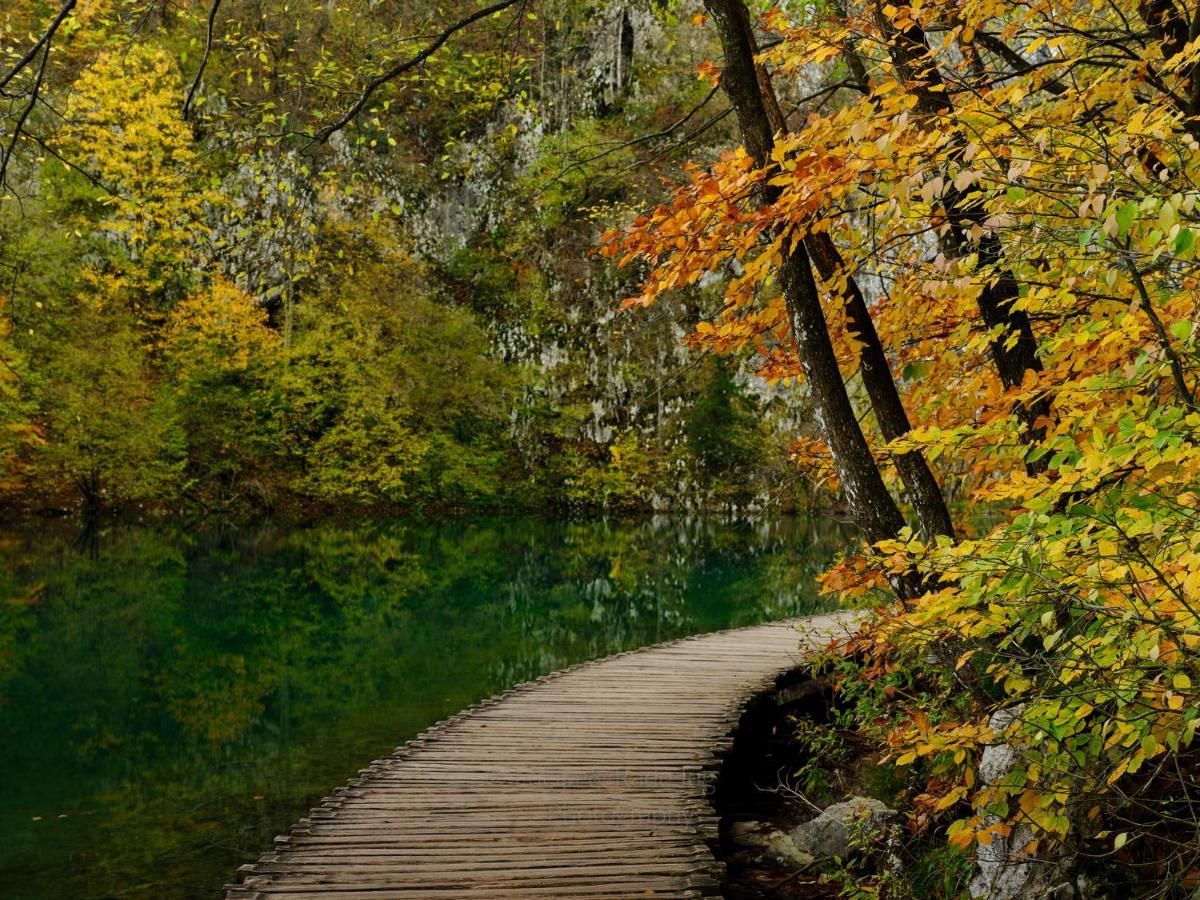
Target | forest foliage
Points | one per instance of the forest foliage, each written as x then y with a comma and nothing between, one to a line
210,301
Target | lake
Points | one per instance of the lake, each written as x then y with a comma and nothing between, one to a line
170,701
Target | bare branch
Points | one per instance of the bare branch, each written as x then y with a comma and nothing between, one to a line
44,40
208,42
75,167
409,64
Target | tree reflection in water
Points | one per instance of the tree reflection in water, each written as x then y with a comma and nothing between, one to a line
171,701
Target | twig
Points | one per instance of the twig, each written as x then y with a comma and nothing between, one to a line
208,42
411,63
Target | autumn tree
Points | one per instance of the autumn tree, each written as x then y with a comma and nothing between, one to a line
223,361
1019,178
146,205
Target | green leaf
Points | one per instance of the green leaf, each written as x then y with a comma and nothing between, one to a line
1126,215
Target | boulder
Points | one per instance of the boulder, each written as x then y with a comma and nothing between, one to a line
838,827
748,833
782,851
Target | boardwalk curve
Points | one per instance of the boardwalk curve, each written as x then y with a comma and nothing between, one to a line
589,783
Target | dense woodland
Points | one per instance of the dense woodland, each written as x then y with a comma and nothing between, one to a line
935,260
213,300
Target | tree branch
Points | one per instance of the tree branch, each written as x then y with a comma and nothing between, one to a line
191,94
44,40
411,63
33,96
1164,339
624,145
1019,63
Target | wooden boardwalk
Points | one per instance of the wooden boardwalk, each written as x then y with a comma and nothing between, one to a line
589,783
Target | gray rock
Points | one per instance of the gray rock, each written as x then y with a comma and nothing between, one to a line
839,826
783,852
1003,871
998,758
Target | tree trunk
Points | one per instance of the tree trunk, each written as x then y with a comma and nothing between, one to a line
923,490
759,117
911,57
873,508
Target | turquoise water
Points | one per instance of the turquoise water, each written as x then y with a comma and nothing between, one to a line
170,701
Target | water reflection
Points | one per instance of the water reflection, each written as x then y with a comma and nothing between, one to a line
170,701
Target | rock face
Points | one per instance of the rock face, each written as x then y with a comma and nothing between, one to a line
837,827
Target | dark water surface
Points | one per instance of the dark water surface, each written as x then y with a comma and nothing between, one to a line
170,702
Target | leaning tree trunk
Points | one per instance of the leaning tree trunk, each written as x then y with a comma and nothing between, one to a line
923,490
873,508
919,481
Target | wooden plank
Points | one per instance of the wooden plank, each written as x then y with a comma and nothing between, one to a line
590,783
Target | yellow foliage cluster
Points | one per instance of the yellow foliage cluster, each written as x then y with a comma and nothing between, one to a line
124,123
220,328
